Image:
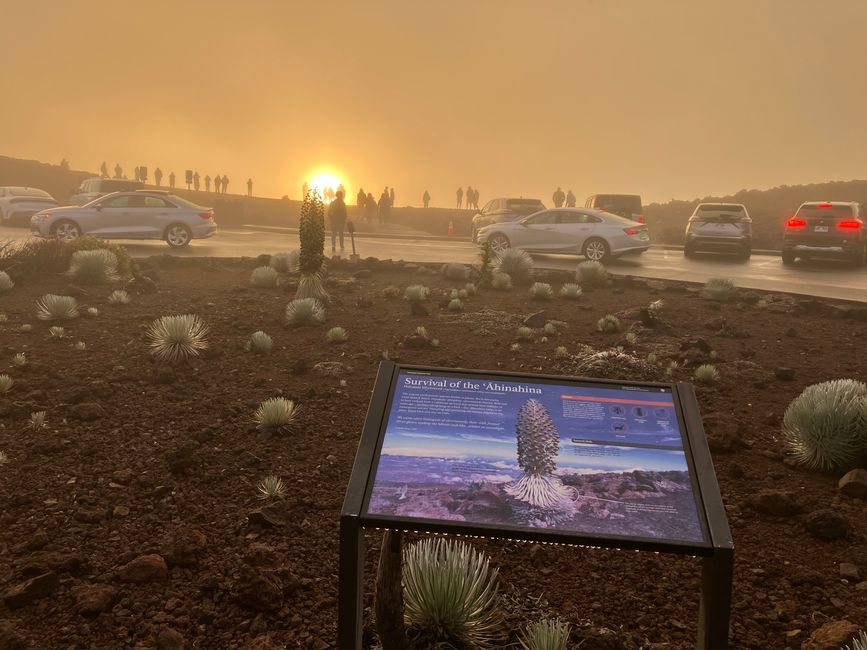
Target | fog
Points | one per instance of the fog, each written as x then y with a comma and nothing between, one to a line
667,98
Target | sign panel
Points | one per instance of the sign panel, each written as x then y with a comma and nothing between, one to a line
589,458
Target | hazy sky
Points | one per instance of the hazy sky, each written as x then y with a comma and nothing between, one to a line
667,98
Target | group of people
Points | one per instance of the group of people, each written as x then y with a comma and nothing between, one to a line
560,199
371,209
471,196
221,183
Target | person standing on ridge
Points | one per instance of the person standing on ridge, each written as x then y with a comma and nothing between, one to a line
172,180
426,199
469,196
391,198
337,220
369,208
135,174
384,205
158,176
225,183
103,170
460,194
249,187
360,199
196,178
207,183
118,171
570,199
558,198
217,181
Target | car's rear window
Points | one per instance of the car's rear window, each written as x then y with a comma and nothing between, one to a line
29,191
186,204
625,202
525,206
819,210
720,207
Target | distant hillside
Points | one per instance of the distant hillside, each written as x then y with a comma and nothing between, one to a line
769,209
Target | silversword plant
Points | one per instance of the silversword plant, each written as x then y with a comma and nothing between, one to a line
275,415
525,333
20,359
6,283
706,374
26,328
471,289
391,291
80,345
456,271
260,343
517,264
304,311
264,277
119,297
571,291
3,458
37,421
286,262
6,383
272,488
608,324
450,595
550,328
96,266
177,338
501,281
858,643
336,335
719,289
561,352
631,338
416,293
547,634
456,305
93,312
52,307
591,274
56,332
541,291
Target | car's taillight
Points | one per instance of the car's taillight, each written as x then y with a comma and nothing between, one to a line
640,219
206,215
825,205
796,222
630,231
849,224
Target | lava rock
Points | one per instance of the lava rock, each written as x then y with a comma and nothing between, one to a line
779,503
831,636
182,459
269,516
418,309
48,561
536,320
90,515
827,525
86,411
91,600
31,590
259,591
784,374
187,548
145,568
854,484
849,571
169,639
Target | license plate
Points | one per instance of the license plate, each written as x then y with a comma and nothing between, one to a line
821,229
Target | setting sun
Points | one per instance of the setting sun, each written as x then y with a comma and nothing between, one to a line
325,180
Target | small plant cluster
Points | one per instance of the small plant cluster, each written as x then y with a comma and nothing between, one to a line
571,291
517,264
336,335
456,272
501,281
119,297
264,277
98,266
416,293
56,332
37,421
285,262
276,415
271,488
6,283
608,324
547,634
706,374
259,343
825,427
719,289
304,311
6,383
52,307
391,292
591,274
177,338
541,291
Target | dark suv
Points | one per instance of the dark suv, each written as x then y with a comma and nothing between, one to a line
723,227
500,210
626,205
834,229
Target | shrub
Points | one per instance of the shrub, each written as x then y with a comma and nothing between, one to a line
90,243
3,458
56,332
547,634
51,307
608,324
719,289
96,266
391,291
462,294
631,338
264,277
501,281
825,427
486,261
651,358
517,264
260,343
119,297
541,291
450,594
20,359
525,333
37,421
591,274
471,289
5,282
550,328
275,415
286,262
706,374
304,311
456,272
6,383
336,335
571,291
859,643
672,367
34,256
271,488
177,338
561,352
456,305
416,293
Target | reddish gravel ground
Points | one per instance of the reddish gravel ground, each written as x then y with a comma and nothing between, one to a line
133,514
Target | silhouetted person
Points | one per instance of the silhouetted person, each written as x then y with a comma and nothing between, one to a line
469,196
207,183
250,187
360,199
476,198
135,173
196,178
329,194
570,199
158,176
103,170
172,180
558,198
460,196
64,164
304,189
337,219
391,197
340,188
426,199
384,205
225,183
118,171
217,180
369,208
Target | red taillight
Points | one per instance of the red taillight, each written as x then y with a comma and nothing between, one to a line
796,222
825,205
630,231
640,219
206,215
849,225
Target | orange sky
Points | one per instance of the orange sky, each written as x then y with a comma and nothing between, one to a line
667,98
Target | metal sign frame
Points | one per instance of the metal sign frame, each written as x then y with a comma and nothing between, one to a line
717,553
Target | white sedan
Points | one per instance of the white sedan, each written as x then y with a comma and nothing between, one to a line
20,203
595,234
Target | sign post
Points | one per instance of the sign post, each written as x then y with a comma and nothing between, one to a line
584,462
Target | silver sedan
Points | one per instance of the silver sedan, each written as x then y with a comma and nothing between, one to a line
595,234
129,215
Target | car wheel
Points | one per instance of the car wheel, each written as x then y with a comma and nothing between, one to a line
178,235
499,244
788,258
66,231
596,250
745,254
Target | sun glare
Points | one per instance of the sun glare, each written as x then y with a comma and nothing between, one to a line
326,182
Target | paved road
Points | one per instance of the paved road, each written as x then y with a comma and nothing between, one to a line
826,279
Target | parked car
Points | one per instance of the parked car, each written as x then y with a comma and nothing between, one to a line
129,215
505,209
724,227
22,203
828,229
626,205
595,234
93,188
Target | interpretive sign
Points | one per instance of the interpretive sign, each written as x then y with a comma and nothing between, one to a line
572,461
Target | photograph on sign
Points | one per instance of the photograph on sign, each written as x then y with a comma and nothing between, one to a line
587,458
